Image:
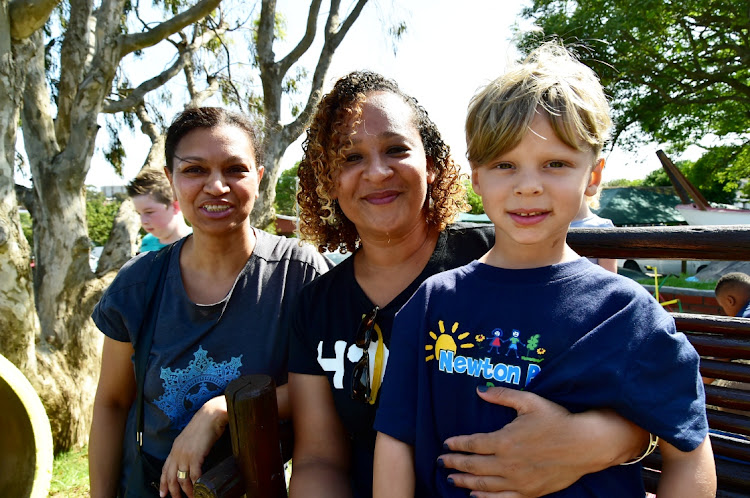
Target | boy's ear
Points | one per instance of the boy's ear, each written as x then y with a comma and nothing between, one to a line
595,178
176,206
475,181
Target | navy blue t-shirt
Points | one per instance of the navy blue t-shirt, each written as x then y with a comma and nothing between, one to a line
198,349
325,322
573,333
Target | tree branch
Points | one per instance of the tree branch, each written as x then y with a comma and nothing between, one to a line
38,128
182,62
137,41
137,95
264,43
197,98
147,125
26,16
155,157
25,196
333,40
304,43
73,55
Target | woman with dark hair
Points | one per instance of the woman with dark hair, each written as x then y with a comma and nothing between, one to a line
377,180
226,289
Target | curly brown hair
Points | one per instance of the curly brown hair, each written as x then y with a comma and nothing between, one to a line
321,220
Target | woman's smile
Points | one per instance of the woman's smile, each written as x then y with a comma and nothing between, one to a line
382,197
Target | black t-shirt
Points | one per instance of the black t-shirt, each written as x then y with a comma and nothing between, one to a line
326,318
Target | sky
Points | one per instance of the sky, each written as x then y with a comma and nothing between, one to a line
449,50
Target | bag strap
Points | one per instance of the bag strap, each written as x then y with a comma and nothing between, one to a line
154,291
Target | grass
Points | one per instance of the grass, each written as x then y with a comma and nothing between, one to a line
70,475
678,281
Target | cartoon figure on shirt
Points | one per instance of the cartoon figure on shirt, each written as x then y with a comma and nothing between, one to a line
496,341
514,342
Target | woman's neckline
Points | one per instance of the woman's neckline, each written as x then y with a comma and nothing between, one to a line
383,284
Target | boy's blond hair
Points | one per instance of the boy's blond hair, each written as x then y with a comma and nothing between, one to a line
551,80
153,182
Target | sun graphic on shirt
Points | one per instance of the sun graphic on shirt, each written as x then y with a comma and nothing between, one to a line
446,342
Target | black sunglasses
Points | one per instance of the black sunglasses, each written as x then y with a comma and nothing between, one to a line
361,372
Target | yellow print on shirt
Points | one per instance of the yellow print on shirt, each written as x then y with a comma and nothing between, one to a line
446,342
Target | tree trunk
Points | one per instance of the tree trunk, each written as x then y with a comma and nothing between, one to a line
122,242
18,322
263,211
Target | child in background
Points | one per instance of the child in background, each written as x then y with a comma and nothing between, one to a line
733,294
159,210
586,219
568,330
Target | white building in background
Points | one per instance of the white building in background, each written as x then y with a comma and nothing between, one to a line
109,191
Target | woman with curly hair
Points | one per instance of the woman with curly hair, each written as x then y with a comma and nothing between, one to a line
377,180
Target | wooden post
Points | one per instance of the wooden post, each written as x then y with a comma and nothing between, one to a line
254,425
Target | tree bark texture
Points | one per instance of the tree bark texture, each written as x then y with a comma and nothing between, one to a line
18,322
48,333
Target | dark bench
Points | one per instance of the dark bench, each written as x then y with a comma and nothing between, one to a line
261,445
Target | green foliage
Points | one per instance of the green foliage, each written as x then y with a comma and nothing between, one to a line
708,174
623,182
711,176
678,71
474,200
678,281
657,178
26,226
70,475
286,192
100,213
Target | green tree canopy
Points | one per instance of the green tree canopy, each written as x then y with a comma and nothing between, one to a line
708,174
286,192
675,71
100,213
474,200
623,182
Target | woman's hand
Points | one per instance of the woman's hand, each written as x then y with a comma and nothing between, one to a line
545,449
191,447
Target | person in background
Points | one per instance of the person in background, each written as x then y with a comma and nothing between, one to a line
586,219
378,180
733,294
569,331
160,212
227,291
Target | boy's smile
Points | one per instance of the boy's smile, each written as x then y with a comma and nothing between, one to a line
532,193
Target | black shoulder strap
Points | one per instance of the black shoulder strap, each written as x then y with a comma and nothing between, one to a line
154,290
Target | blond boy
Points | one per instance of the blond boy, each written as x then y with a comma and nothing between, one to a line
533,315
